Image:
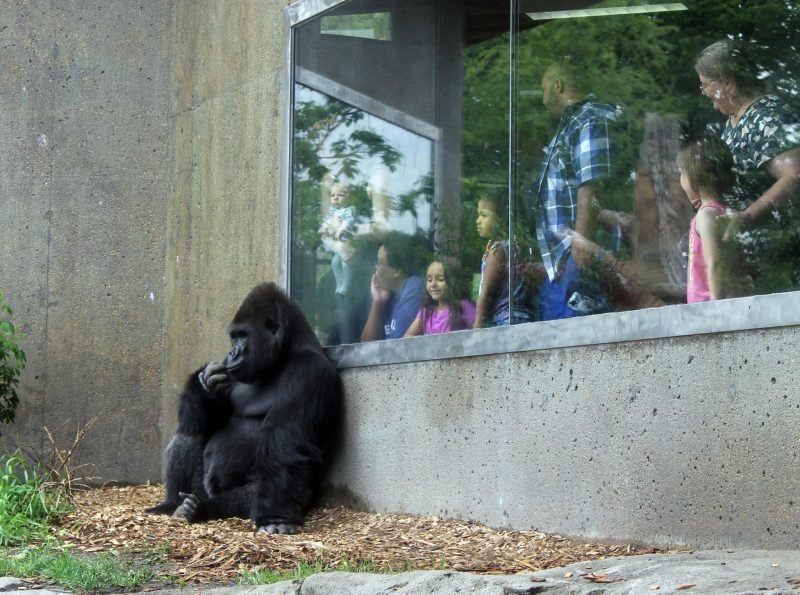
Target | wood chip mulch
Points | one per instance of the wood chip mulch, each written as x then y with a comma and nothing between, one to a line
114,519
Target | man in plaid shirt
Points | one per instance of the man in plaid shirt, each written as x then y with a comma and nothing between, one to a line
567,201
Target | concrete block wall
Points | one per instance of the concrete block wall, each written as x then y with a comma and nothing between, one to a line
138,205
223,216
83,190
689,441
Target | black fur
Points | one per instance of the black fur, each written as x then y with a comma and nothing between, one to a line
252,444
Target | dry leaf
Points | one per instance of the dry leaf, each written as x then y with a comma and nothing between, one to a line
219,551
537,579
568,575
596,577
685,587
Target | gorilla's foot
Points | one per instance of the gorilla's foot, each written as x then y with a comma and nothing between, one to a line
278,527
190,509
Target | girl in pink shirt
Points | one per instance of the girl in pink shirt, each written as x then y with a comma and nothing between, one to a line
706,170
441,310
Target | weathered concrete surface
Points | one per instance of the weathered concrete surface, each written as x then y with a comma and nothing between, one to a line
10,584
83,189
706,572
687,442
138,203
223,229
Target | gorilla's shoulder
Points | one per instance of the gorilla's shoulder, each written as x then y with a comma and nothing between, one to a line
312,358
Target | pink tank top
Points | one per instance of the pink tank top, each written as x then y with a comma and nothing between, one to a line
439,322
697,281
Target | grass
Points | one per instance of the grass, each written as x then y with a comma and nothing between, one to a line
55,565
264,576
28,505
26,508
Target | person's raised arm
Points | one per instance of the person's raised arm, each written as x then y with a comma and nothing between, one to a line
785,168
373,329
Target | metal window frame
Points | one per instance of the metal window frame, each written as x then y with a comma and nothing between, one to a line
741,314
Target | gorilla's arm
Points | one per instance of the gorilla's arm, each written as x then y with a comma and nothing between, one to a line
204,409
205,406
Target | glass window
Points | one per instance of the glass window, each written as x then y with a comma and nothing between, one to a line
393,146
375,25
458,165
650,143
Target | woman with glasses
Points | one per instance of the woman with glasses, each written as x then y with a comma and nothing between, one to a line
763,134
396,291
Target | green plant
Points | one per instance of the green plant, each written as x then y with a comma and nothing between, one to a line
12,361
265,576
26,507
84,573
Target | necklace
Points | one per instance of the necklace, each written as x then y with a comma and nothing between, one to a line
736,118
487,251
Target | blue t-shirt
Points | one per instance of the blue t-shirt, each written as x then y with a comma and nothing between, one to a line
403,308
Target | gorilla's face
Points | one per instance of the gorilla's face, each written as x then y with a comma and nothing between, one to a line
254,349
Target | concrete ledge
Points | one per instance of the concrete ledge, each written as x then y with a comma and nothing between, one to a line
686,441
763,311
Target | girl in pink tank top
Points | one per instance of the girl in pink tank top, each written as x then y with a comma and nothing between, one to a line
443,308
702,273
706,170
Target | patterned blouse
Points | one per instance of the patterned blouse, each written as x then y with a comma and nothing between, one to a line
766,129
500,302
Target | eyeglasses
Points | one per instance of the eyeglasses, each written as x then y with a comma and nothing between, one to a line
706,84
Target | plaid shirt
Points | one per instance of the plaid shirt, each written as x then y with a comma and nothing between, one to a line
579,152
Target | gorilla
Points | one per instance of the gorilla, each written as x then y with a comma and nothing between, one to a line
252,431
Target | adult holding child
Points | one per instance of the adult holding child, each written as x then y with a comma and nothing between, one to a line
763,134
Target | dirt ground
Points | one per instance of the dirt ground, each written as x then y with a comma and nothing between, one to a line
216,552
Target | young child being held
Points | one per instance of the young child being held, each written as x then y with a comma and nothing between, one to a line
443,307
706,168
336,231
493,306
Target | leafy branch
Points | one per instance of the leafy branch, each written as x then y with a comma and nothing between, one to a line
12,362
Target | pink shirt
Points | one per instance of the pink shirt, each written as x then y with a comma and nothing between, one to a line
439,322
697,282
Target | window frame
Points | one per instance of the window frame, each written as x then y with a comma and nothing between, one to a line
665,322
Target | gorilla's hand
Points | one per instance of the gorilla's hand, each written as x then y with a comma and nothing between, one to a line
191,510
213,377
277,527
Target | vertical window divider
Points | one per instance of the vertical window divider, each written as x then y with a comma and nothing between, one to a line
512,146
287,159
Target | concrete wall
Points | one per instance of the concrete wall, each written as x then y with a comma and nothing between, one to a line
689,441
223,214
83,190
138,205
